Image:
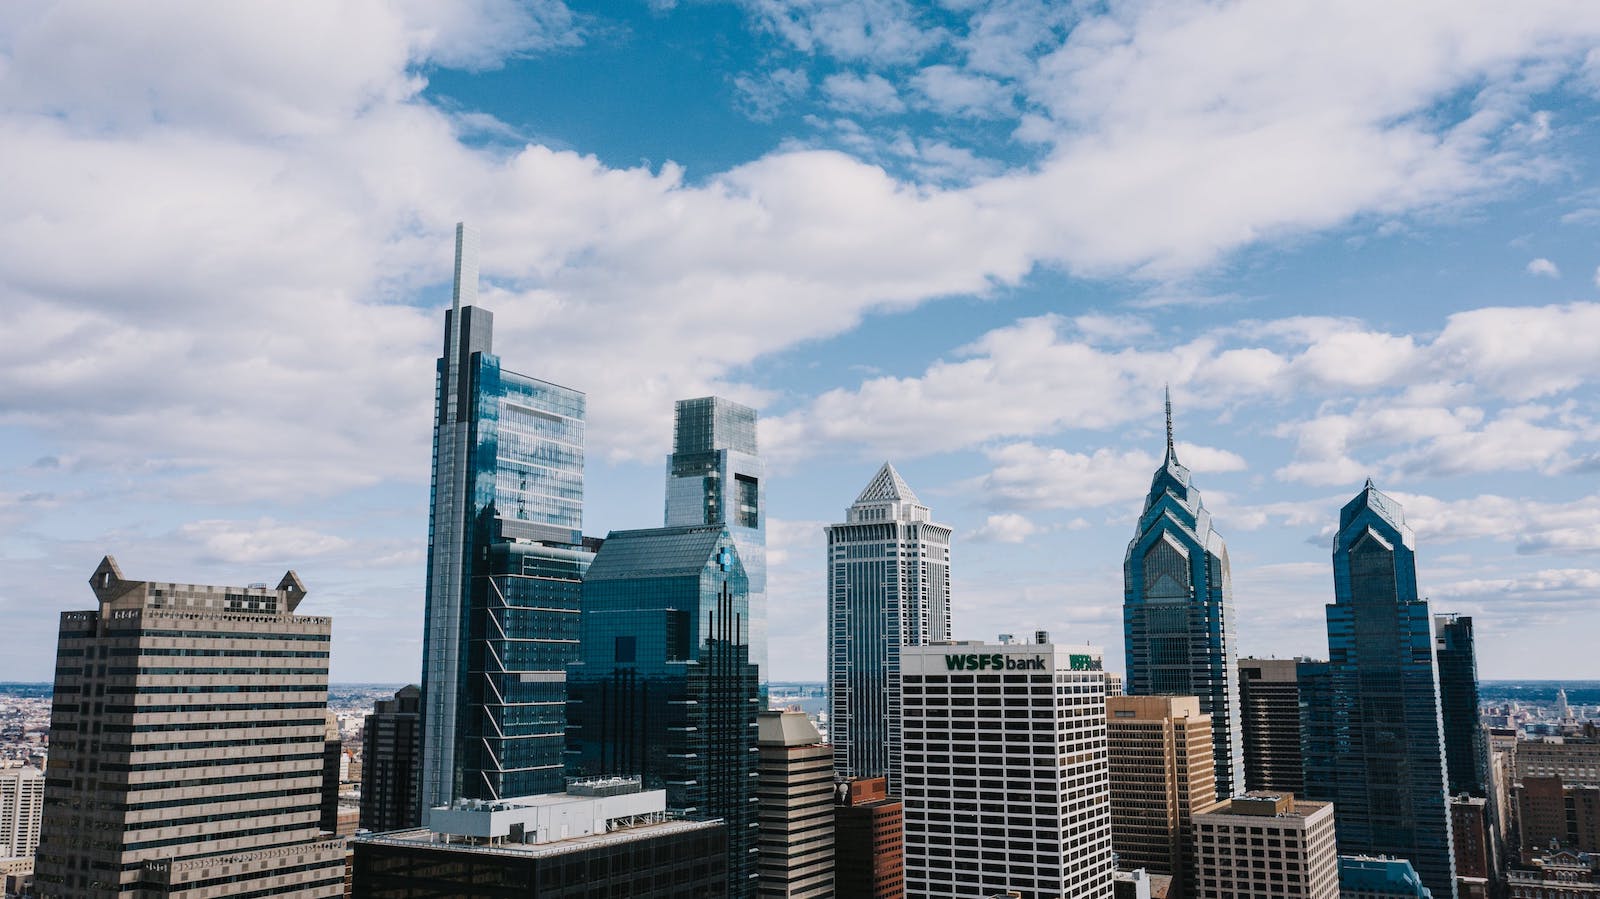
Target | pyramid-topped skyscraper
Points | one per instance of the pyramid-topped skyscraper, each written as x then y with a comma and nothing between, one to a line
1177,613
888,587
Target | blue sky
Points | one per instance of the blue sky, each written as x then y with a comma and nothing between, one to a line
973,238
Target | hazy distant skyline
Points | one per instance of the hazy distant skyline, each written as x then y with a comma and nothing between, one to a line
974,238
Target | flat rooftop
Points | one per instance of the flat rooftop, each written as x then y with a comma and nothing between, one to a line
425,839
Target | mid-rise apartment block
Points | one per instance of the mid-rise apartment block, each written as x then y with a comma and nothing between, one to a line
794,793
1266,846
1162,772
187,753
1006,783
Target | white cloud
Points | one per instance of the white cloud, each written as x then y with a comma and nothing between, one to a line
877,31
870,94
1544,268
1006,527
953,92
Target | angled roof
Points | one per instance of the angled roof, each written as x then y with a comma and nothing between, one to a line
786,728
655,552
886,487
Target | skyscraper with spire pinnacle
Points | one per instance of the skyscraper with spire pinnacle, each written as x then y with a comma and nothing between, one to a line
888,587
1378,751
1177,613
506,561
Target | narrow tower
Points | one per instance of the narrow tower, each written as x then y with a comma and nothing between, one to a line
1177,614
888,587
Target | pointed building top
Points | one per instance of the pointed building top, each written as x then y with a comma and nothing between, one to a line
1172,453
465,291
888,487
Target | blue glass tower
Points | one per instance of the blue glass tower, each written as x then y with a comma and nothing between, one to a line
505,561
715,477
1177,613
664,686
1379,758
1466,744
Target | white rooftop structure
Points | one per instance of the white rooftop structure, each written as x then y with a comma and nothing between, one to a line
588,808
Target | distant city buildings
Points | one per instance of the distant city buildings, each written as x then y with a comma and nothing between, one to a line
1006,784
1269,722
390,745
794,796
1178,616
188,745
664,687
1266,846
505,560
1162,771
21,813
715,477
869,840
1379,755
888,587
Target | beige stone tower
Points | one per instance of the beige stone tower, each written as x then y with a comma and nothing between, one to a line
795,793
186,757
1162,773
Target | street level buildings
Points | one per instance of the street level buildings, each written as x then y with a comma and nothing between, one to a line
1379,755
795,807
389,773
1269,722
869,840
1161,773
715,477
888,587
1266,846
506,558
1177,614
1006,786
664,687
187,753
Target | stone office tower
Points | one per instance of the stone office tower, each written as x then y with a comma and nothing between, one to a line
1162,772
715,477
888,587
506,558
1177,613
186,760
1377,752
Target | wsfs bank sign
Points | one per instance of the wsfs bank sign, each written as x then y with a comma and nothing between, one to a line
1001,662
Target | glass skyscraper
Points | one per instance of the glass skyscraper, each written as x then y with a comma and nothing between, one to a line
1466,744
1378,752
505,562
664,687
888,587
1177,613
715,477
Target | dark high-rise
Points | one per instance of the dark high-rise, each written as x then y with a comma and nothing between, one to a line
1466,743
664,687
1379,758
389,772
1177,613
505,560
1269,717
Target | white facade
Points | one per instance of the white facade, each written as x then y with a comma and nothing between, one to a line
548,818
21,810
1006,785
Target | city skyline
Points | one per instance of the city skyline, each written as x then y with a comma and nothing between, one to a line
893,231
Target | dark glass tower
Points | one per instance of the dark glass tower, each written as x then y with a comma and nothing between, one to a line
389,762
1378,755
1177,613
505,560
1269,716
1466,745
664,687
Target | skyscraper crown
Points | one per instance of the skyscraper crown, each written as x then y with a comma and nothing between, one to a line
887,497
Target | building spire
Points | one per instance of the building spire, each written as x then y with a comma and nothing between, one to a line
1172,455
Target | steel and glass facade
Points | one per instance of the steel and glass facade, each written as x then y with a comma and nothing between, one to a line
1377,751
505,559
664,687
1466,743
888,587
715,477
1177,613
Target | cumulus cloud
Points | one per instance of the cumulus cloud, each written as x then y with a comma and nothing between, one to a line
871,94
1006,527
1543,268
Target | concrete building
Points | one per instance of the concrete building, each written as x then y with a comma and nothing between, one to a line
1006,784
1269,721
888,587
1379,877
1266,846
21,811
1556,874
187,756
389,771
794,794
600,838
869,840
1177,615
1473,831
1556,793
1162,772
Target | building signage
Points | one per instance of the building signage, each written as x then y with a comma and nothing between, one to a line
1085,663
994,661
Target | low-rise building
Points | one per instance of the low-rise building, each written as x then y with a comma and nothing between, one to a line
1266,845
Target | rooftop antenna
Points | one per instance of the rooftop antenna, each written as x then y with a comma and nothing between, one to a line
1167,389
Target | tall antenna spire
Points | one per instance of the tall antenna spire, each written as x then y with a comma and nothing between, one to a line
465,291
1170,453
